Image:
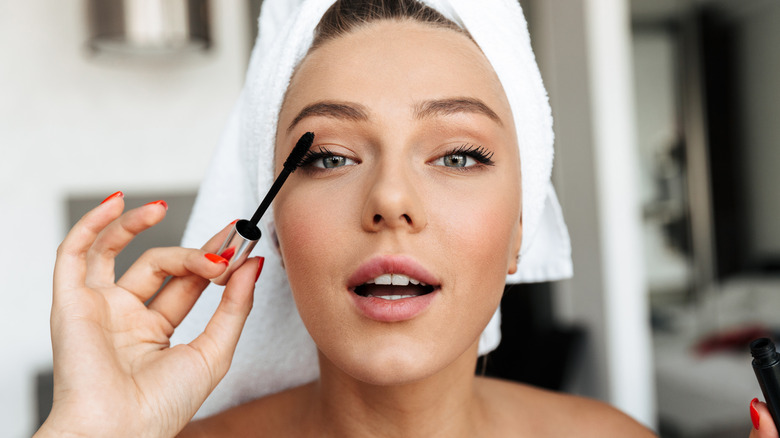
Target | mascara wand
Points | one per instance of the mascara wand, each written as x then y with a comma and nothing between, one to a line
245,233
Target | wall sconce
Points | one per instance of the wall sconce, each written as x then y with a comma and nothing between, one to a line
148,27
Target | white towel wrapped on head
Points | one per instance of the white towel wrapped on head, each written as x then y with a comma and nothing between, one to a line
275,351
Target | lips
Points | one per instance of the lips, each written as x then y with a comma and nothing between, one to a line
392,288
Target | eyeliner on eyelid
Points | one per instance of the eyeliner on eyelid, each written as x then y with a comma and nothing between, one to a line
478,153
321,155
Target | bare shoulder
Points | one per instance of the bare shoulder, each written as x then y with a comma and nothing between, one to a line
548,413
273,415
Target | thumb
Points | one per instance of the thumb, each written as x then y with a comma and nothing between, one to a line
218,341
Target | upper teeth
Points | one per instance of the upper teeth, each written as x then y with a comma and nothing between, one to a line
395,280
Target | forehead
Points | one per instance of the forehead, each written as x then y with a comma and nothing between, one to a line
392,64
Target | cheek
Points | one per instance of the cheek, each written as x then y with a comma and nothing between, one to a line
308,234
313,232
483,229
478,243
304,233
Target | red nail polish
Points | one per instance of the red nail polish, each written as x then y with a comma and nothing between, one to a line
259,267
754,417
113,196
160,202
234,221
216,259
228,253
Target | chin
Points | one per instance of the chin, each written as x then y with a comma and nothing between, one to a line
388,363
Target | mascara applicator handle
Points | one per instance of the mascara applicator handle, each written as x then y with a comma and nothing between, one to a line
241,240
245,233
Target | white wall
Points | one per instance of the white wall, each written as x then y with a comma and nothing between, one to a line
70,125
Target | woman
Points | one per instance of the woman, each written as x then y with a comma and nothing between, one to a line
421,151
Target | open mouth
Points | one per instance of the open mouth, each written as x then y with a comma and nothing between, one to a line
393,287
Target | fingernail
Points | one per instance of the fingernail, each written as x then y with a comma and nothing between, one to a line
113,196
160,202
259,267
754,417
228,253
216,259
234,221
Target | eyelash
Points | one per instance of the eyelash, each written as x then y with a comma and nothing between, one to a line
312,156
479,153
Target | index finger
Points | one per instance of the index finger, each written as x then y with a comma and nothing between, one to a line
180,294
216,240
763,425
70,268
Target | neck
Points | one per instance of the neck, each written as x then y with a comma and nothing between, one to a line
442,405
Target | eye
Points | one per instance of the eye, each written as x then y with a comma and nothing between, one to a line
332,161
457,160
465,156
325,159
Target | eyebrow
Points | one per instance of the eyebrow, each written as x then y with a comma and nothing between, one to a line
337,110
424,110
444,107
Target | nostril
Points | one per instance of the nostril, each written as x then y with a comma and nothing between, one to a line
379,221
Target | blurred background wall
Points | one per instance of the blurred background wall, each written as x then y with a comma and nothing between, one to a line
76,124
704,102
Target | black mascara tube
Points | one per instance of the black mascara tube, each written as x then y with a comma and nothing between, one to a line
766,364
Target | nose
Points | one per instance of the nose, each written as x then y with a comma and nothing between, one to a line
393,202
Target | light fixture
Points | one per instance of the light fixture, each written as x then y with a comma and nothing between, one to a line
148,27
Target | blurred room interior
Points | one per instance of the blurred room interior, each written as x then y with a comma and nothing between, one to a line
665,120
706,103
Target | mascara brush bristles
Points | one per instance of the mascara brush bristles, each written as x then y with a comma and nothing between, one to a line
299,151
290,164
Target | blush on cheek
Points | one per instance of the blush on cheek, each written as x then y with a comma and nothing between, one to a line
305,231
312,240
487,235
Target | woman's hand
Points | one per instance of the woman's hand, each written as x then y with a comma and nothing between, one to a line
115,373
763,425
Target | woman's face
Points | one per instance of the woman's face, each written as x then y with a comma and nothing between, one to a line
414,176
